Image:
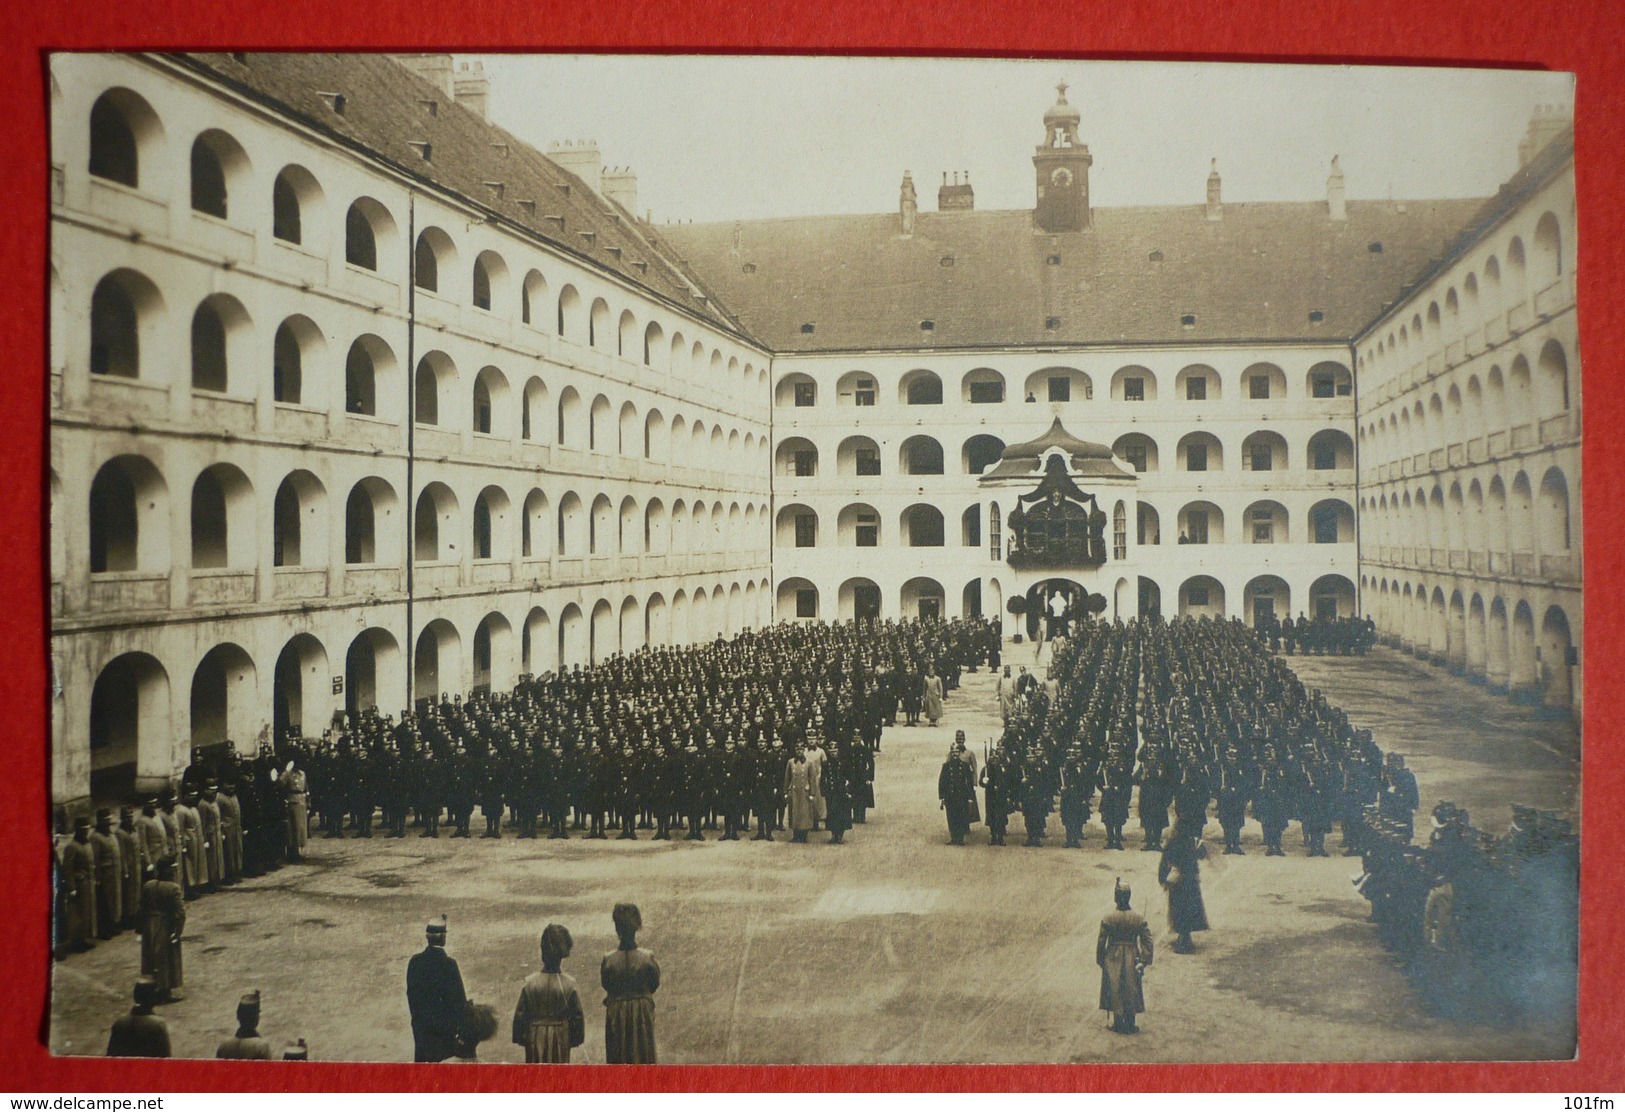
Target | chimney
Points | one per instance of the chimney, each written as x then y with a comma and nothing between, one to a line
436,69
1215,208
581,159
472,88
621,186
908,204
1334,193
955,197
1544,126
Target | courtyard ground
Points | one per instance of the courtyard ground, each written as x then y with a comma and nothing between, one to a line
892,948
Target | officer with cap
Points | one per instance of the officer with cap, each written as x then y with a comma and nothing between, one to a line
1123,950
435,997
140,1034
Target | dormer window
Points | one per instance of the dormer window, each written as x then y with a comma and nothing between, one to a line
1316,316
1375,247
1053,260
928,326
1052,323
807,329
947,260
1188,320
1156,256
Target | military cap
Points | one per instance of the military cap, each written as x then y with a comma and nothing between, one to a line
81,822
250,999
437,925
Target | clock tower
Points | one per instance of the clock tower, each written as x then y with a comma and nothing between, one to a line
1062,165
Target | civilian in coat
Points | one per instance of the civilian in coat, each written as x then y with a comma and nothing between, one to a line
162,921
140,1034
1123,951
798,793
931,689
79,887
108,861
435,996
816,759
130,864
1179,873
630,975
548,1020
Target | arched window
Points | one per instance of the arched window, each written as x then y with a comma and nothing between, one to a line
360,381
209,364
425,264
222,518
286,222
287,364
482,286
368,499
128,530
482,529
361,229
1120,532
115,335
114,153
213,153
298,530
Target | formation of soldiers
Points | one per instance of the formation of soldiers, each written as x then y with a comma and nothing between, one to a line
676,741
1318,636
1188,713
1484,923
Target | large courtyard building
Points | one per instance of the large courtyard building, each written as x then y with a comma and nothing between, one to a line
357,399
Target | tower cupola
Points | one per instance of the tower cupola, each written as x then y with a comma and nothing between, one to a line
1061,165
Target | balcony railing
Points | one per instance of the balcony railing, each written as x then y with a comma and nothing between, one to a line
111,592
1560,568
1475,450
1554,429
1523,436
493,571
1518,318
300,582
222,588
1497,444
1456,455
1523,563
1552,300
438,574
360,579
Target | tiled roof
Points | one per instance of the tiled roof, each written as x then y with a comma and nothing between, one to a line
386,114
985,279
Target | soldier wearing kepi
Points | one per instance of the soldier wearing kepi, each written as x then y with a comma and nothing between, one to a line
996,796
140,1034
246,1044
956,793
1123,951
435,997
109,875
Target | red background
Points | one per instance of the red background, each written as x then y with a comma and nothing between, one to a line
1585,37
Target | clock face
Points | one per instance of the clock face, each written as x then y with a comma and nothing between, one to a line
1062,177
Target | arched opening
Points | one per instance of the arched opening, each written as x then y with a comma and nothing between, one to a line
601,427
574,425
122,125
1147,524
222,519
630,432
858,456
489,280
299,520
532,299
368,511
1137,450
1150,597
1201,596
1525,679
433,256
437,663
535,415
1134,384
295,338
1331,450
1266,598
1058,385
626,339
1332,596
219,339
981,452
366,224
131,735
1197,383
798,391
629,536
631,633
434,526
1264,450
434,382
1546,256
300,700
601,527
1201,523
535,530
858,599
493,654
1330,380
372,673
539,649
1497,659
294,193
1557,660
367,368
921,455
656,531
1331,521
797,599
217,160
1263,382
983,386
1266,522
920,387
922,597
970,527
124,308
1521,516
493,538
797,456
1552,382
922,527
223,699
572,526
491,409
1200,451
1552,512
129,517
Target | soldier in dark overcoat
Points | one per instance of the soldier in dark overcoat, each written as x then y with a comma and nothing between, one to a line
436,1000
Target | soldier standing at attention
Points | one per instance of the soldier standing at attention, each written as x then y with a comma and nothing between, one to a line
956,795
162,920
129,864
630,975
79,881
105,851
1179,874
1123,951
246,1044
435,996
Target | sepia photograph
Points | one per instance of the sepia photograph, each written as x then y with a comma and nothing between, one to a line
848,560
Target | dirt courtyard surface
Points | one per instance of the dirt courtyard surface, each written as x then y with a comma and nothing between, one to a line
892,948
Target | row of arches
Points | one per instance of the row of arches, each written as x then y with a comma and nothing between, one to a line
129,522
1525,394
923,454
1197,382
1482,299
1507,642
127,138
135,718
1515,517
801,598
925,525
224,352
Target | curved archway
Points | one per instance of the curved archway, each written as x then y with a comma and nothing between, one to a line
131,733
224,698
301,700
